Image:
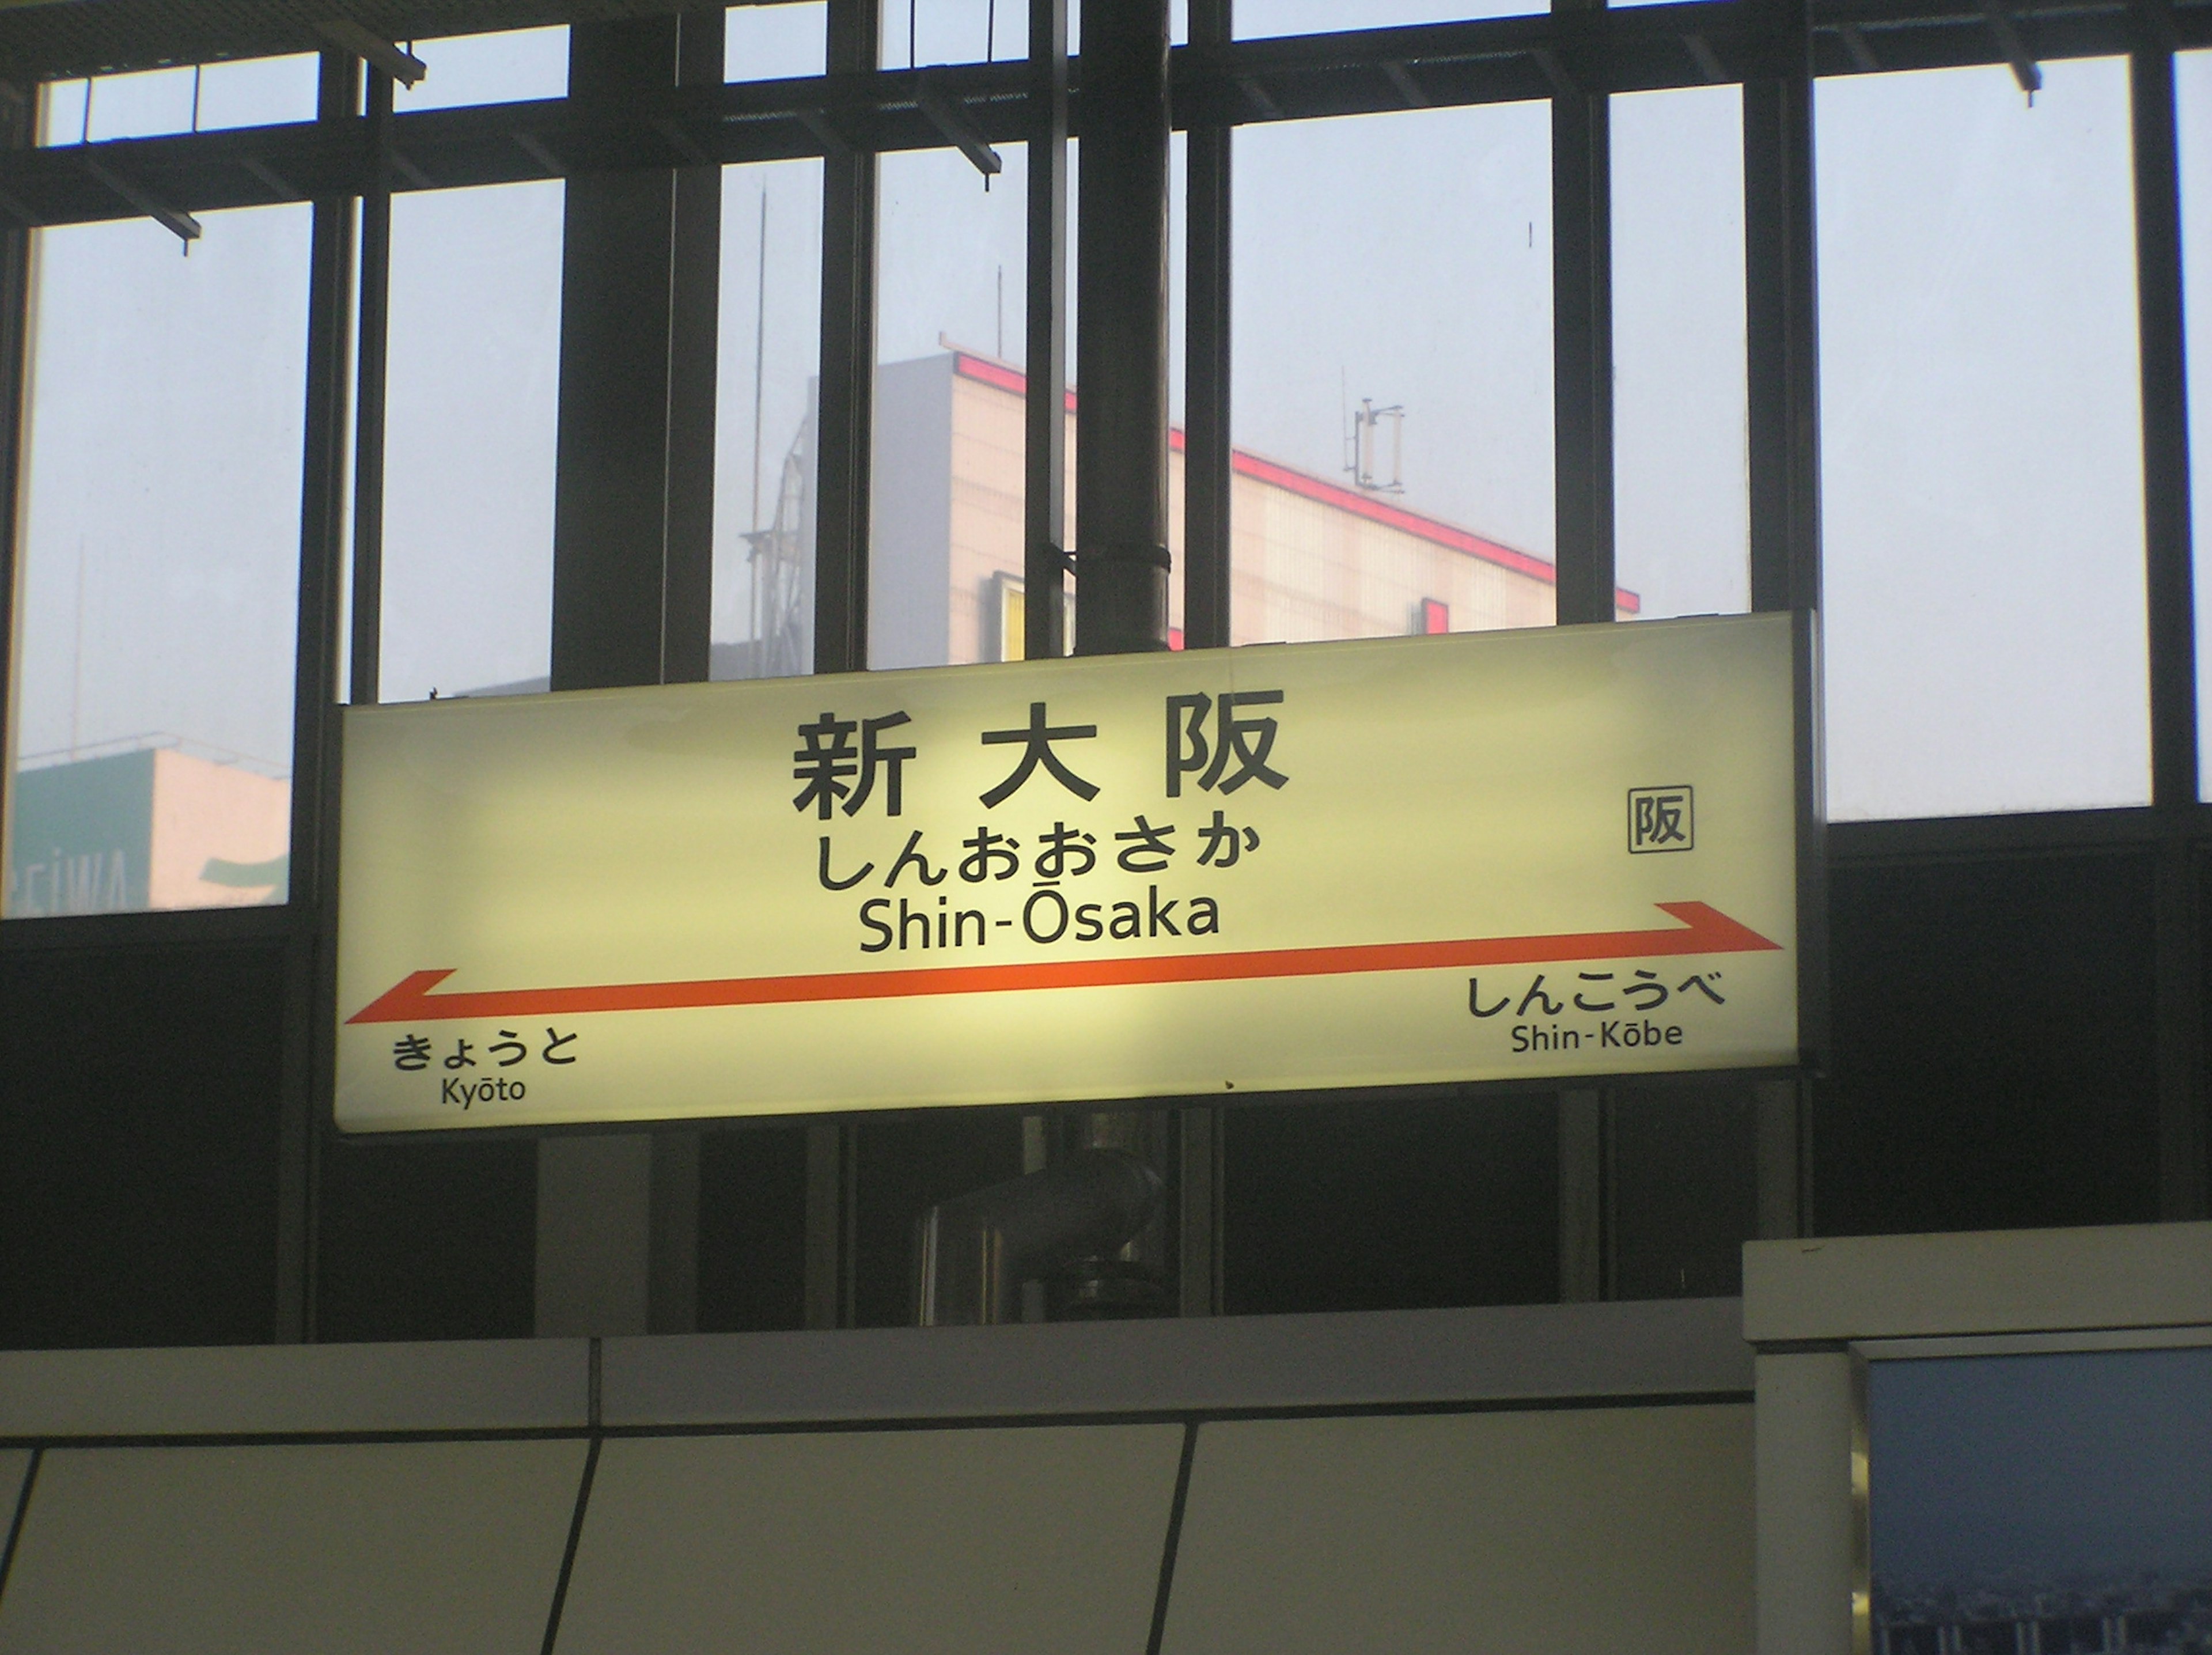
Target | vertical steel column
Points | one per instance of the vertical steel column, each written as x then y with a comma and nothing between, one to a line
1206,458
314,704
1582,350
687,600
832,1166
695,301
2171,594
1783,351
366,654
633,546
1583,1232
1044,496
1582,484
1207,474
844,424
1122,480
844,413
1121,335
19,112
1784,400
633,569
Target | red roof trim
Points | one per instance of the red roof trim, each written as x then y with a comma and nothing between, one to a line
1396,517
1309,487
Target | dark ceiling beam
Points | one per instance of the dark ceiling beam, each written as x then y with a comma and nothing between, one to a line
373,50
1488,61
65,40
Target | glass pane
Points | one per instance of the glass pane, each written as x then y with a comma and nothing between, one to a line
470,437
1256,19
946,513
776,42
252,92
2192,86
63,117
471,398
950,447
770,350
153,742
924,31
258,92
511,66
1681,513
1982,475
1393,375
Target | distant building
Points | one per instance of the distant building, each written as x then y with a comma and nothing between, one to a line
1312,558
151,826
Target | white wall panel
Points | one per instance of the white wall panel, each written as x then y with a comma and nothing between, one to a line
1585,1531
424,1548
455,1385
1046,1538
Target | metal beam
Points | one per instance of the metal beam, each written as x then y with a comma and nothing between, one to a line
633,565
1783,402
1707,60
2025,69
2171,591
1854,42
1402,78
1782,365
309,979
947,116
1044,481
1215,83
380,54
845,426
16,132
1582,354
535,147
844,417
1208,458
178,223
365,657
1563,84
1583,1196
1207,473
1121,336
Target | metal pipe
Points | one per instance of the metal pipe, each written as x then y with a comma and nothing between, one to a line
972,1253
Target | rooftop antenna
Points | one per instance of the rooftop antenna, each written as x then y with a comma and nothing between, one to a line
1363,445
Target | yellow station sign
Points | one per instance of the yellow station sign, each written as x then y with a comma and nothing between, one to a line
1570,851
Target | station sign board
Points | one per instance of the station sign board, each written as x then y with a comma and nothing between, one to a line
1543,853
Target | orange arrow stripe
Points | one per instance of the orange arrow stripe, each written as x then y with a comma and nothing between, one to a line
1704,930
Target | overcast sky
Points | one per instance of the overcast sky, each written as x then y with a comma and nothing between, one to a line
2039,1468
1981,442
